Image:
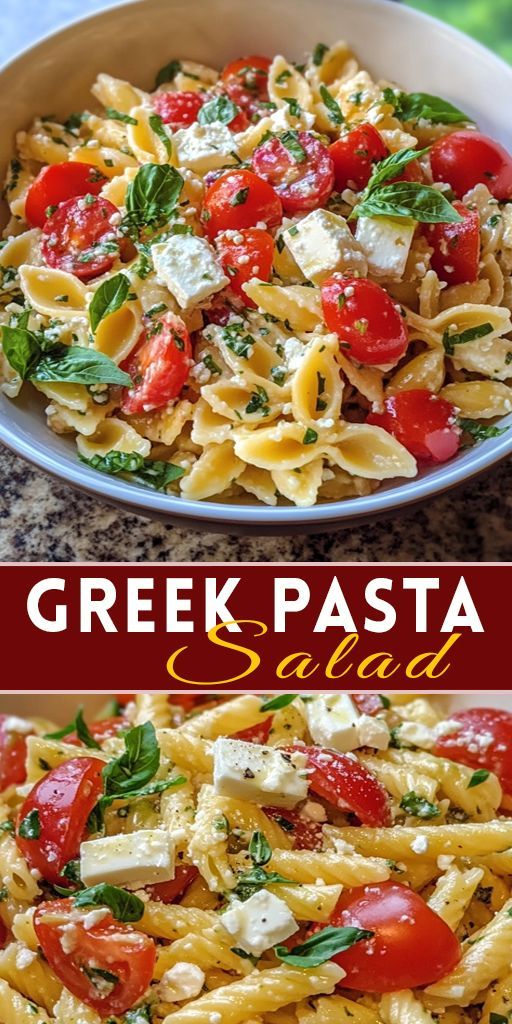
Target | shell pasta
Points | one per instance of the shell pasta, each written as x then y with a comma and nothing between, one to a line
279,283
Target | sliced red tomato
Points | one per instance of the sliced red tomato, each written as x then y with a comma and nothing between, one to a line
424,423
346,783
306,834
246,83
159,365
354,155
245,254
456,247
368,703
100,731
301,172
59,806
13,752
79,237
108,964
240,199
124,698
366,320
178,109
255,733
466,158
411,945
168,892
58,182
481,739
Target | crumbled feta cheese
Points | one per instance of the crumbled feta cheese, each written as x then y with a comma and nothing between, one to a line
444,861
259,923
24,957
68,937
182,981
419,844
20,725
314,811
334,721
249,771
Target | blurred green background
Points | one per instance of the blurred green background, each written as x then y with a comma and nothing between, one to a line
490,23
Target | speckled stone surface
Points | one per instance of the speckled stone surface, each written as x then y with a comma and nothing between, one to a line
41,519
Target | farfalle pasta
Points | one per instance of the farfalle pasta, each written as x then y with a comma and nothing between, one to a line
280,282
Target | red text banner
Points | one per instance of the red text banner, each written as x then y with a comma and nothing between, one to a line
257,628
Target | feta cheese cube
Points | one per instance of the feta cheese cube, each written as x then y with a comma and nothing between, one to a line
259,923
333,721
386,243
373,732
262,775
204,147
146,856
181,981
321,243
186,264
417,734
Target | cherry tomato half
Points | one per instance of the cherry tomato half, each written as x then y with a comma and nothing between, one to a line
347,784
58,182
365,319
246,83
159,365
244,255
302,175
368,703
100,731
75,237
108,965
168,892
354,155
239,199
482,739
456,247
178,109
463,159
63,800
411,944
424,423
13,752
306,834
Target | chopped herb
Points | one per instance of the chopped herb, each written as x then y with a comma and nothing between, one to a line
123,905
278,375
418,806
282,78
294,106
478,777
257,402
30,826
7,826
257,878
168,72
239,197
116,115
221,109
494,220
310,436
421,106
480,431
152,473
260,850
333,108
221,824
210,363
276,703
470,334
157,126
290,141
321,947
319,53
293,230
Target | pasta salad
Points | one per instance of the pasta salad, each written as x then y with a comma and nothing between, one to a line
278,283
281,860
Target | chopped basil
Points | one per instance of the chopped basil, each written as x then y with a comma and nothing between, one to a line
470,334
239,197
478,777
116,115
319,53
283,76
71,870
416,106
210,363
257,402
294,106
498,1018
290,141
480,431
168,72
221,824
418,806
293,230
257,878
310,436
494,220
123,905
148,472
157,126
108,298
219,109
137,765
244,955
260,850
322,946
30,826
235,340
7,826
79,726
280,243
334,111
278,375
385,701
276,703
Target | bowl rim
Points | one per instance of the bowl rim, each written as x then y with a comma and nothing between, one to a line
133,496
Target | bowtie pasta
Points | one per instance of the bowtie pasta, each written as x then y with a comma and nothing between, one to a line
281,860
281,283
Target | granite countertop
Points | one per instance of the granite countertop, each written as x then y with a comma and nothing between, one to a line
43,520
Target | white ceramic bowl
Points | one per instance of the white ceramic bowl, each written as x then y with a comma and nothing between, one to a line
132,41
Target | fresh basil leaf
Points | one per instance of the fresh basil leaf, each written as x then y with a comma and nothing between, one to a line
79,366
150,473
157,125
138,763
291,142
498,1018
418,806
239,197
392,166
83,732
108,298
244,955
141,1015
30,826
71,870
334,111
470,334
407,199
416,106
310,436
480,431
322,946
252,881
293,106
116,115
385,701
478,777
152,789
21,349
260,850
123,905
168,72
282,701
319,53
7,826
219,109
153,194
